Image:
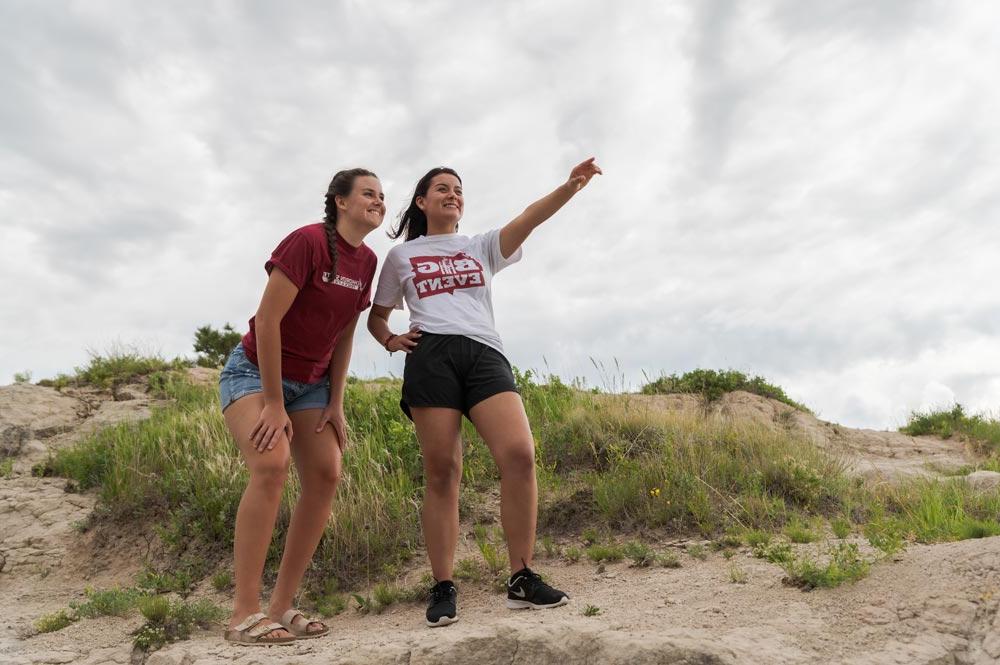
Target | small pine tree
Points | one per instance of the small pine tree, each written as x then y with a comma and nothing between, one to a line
213,346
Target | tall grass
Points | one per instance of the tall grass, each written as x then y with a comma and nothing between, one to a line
606,463
711,385
946,423
119,364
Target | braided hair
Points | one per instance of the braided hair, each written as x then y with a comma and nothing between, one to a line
341,185
413,221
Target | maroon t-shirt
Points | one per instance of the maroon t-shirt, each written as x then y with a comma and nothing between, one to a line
323,306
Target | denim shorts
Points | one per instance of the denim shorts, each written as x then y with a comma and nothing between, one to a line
240,378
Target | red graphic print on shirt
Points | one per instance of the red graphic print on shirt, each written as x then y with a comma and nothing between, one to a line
443,274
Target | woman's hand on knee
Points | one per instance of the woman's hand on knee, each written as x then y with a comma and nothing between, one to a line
334,414
273,420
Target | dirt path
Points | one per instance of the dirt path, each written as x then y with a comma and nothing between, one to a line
936,604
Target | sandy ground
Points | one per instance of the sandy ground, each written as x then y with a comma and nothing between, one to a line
933,604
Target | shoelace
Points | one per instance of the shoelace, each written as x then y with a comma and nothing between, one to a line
440,593
530,575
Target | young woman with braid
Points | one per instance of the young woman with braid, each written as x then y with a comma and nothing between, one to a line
455,365
282,392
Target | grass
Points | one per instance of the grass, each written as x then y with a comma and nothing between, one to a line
55,621
697,552
737,575
844,564
606,465
600,553
798,532
222,580
591,611
946,423
120,364
171,620
642,555
7,467
841,527
711,385
668,560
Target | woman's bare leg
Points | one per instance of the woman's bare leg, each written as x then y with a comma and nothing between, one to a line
318,463
258,507
503,424
438,430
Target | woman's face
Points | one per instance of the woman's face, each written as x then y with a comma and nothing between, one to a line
365,203
443,204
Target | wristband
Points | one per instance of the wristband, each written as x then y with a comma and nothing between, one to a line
387,340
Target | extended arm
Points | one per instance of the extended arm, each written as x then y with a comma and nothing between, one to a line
517,230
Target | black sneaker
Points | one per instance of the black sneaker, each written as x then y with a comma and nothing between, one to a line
525,589
441,610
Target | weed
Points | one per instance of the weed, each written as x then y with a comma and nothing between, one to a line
108,602
779,553
7,467
755,537
55,621
589,536
550,547
222,580
640,554
885,535
696,551
495,562
841,528
168,621
591,611
845,564
599,553
668,559
737,575
573,554
800,533
468,570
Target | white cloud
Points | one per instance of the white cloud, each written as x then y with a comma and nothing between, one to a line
802,194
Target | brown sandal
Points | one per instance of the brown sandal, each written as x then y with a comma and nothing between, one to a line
252,630
300,629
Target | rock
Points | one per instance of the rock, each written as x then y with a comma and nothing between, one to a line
983,481
54,657
28,412
112,413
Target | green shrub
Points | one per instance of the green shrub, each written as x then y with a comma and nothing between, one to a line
711,385
845,564
599,553
841,527
55,621
168,621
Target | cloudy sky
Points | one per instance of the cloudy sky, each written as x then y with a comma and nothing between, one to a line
803,190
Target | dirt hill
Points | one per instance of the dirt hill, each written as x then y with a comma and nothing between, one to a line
934,604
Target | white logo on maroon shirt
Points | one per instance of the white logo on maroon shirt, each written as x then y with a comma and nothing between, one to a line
443,274
340,280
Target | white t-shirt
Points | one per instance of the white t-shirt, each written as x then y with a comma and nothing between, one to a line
445,281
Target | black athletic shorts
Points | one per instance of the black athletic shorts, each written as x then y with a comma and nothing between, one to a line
453,371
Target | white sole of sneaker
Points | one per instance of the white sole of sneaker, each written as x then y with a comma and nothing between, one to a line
525,605
443,621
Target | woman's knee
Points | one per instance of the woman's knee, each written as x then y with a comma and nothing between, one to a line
442,473
271,472
322,477
517,461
